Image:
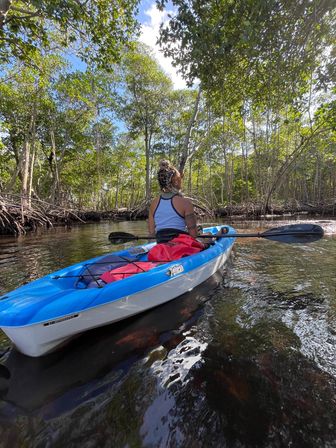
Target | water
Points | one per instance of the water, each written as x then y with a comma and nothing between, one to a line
247,359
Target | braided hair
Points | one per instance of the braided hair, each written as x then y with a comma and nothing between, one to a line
165,176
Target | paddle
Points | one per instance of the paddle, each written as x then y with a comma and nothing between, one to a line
293,233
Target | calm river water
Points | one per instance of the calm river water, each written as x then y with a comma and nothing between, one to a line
247,359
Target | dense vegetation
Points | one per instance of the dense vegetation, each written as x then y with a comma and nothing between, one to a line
86,112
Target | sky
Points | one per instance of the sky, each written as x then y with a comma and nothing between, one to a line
151,18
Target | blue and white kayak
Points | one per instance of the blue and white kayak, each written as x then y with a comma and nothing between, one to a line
44,314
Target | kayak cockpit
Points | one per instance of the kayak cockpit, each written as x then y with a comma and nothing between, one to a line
89,275
95,273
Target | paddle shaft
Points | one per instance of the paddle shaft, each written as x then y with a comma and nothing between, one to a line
228,235
288,234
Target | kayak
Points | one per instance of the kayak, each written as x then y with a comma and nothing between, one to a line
43,315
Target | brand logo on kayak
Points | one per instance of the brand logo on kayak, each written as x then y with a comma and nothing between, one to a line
174,270
62,319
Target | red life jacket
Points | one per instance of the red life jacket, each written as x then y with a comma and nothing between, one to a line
126,271
180,246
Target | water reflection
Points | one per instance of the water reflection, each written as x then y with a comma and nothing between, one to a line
292,289
246,359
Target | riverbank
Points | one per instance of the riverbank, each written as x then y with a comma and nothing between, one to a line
255,210
17,217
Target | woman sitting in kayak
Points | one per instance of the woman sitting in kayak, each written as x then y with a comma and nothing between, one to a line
170,214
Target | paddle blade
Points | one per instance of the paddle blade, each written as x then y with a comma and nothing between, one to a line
121,237
295,233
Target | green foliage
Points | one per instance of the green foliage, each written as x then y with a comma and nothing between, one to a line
326,114
264,128
99,29
145,94
247,48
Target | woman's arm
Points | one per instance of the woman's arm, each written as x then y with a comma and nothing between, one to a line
151,223
190,218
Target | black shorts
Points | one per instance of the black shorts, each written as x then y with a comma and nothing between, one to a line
165,235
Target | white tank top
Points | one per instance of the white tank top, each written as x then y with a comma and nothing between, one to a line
167,217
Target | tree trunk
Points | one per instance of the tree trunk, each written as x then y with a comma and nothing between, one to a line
54,170
147,153
226,175
190,177
245,171
32,161
198,175
186,144
26,158
117,191
31,175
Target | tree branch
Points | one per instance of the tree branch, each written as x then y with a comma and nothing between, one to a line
27,16
4,8
185,154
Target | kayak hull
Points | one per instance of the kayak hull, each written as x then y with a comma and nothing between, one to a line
39,338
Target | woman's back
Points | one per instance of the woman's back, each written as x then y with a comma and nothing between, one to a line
169,213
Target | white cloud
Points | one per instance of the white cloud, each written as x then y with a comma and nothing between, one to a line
149,35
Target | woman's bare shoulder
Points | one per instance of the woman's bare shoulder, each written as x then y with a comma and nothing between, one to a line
154,203
183,202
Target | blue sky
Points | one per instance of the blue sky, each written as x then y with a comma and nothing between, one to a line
144,6
151,18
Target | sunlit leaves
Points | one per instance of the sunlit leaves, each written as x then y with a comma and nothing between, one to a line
98,30
250,48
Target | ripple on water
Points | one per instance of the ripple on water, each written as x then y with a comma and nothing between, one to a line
170,375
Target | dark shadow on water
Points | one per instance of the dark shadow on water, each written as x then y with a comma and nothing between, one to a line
271,398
